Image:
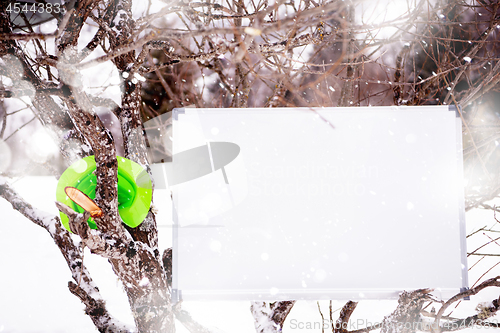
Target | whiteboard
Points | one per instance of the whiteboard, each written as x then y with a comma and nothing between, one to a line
319,203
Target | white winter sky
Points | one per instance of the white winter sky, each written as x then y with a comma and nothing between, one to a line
33,282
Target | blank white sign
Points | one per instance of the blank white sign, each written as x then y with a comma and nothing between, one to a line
326,203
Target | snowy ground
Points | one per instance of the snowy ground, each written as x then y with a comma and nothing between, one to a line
33,281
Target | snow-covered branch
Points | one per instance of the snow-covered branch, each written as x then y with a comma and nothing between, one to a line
85,288
493,282
96,309
270,317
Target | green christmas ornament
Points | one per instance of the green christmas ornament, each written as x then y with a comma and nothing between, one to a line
134,189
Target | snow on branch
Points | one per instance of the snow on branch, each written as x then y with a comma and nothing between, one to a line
409,315
408,311
86,289
96,309
493,282
269,317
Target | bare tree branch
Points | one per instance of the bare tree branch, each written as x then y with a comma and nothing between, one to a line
344,316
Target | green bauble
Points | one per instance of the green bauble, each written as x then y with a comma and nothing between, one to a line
134,189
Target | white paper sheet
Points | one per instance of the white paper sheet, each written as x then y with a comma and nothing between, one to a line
328,203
